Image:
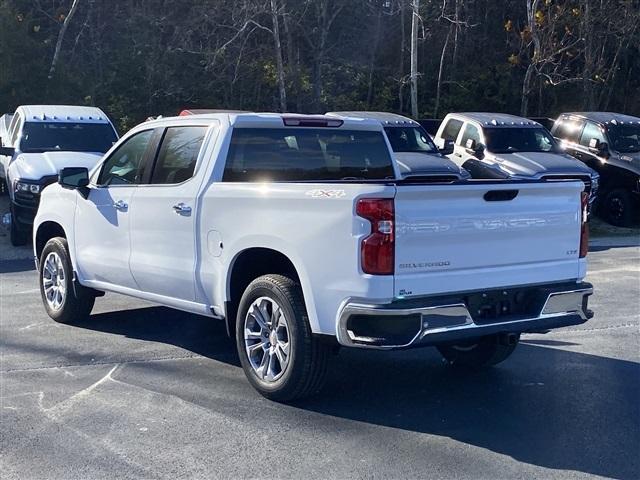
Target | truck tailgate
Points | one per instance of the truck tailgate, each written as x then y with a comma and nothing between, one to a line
454,238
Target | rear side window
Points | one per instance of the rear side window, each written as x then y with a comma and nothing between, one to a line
306,154
569,130
178,154
451,129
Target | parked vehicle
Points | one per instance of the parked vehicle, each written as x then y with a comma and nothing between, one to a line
300,234
415,152
5,121
610,144
493,145
42,139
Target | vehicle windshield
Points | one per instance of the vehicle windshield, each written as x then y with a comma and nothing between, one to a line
624,138
410,139
512,140
69,137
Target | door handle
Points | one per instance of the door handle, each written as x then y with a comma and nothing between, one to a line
182,209
120,205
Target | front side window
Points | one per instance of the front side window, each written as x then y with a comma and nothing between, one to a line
452,129
125,166
591,130
178,154
470,133
624,138
513,140
410,139
68,137
306,154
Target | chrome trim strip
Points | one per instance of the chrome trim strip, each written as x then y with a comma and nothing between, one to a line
557,304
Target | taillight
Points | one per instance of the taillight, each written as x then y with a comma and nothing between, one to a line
377,249
584,227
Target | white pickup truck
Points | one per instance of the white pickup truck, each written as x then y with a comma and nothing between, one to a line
300,233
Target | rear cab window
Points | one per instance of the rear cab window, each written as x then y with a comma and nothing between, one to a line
307,154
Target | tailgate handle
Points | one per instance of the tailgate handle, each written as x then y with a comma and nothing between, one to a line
500,195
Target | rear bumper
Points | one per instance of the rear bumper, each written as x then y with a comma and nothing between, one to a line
436,320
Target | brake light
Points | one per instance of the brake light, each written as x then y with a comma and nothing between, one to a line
311,121
584,227
378,248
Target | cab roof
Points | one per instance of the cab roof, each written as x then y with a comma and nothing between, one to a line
272,120
62,113
500,120
387,119
603,117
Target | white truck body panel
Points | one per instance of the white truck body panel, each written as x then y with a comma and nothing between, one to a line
185,261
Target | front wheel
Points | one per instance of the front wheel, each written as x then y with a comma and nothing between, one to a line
63,301
481,352
18,235
279,355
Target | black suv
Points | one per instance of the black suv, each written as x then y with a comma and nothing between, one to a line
609,143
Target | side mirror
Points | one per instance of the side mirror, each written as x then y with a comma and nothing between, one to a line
478,150
7,151
447,148
74,178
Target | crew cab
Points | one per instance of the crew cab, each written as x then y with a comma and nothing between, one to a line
40,140
495,145
413,149
610,144
300,233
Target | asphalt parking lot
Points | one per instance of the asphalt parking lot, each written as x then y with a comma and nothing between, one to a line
141,391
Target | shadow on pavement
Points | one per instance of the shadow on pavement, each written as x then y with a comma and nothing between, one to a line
544,406
13,266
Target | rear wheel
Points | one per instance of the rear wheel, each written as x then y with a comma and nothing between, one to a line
481,352
63,301
617,208
279,355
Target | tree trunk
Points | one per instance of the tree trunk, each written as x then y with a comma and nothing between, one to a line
524,105
279,64
63,30
372,58
414,57
440,70
401,70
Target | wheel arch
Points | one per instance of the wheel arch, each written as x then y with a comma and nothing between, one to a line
45,232
248,265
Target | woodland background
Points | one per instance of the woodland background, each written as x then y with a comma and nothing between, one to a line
136,58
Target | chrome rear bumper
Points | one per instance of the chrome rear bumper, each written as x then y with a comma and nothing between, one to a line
452,321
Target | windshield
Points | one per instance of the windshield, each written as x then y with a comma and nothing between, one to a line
512,140
70,137
624,138
410,139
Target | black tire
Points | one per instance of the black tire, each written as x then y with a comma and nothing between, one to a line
77,301
18,235
618,209
306,369
480,353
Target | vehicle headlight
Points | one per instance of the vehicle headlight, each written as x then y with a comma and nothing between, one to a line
27,187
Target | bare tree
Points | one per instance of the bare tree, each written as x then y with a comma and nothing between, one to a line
279,65
415,18
63,30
